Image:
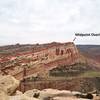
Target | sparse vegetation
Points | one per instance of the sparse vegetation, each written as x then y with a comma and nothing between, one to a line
69,71
91,74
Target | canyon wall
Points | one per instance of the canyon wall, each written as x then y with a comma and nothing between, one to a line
42,59
51,57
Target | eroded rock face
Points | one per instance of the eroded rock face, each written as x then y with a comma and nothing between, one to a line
45,58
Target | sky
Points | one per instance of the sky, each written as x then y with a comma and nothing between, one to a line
42,21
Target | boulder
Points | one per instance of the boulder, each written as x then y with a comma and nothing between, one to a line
8,84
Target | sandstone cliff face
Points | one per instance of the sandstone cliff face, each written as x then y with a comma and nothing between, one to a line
51,57
42,59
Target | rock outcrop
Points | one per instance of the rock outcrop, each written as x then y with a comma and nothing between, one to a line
54,94
41,59
8,85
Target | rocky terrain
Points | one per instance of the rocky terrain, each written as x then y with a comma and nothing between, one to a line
40,59
52,67
8,91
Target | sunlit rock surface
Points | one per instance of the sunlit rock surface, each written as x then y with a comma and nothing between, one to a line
8,85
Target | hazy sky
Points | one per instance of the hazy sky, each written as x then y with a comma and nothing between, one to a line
32,21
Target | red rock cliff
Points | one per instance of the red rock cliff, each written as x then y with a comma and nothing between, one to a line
46,58
53,56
